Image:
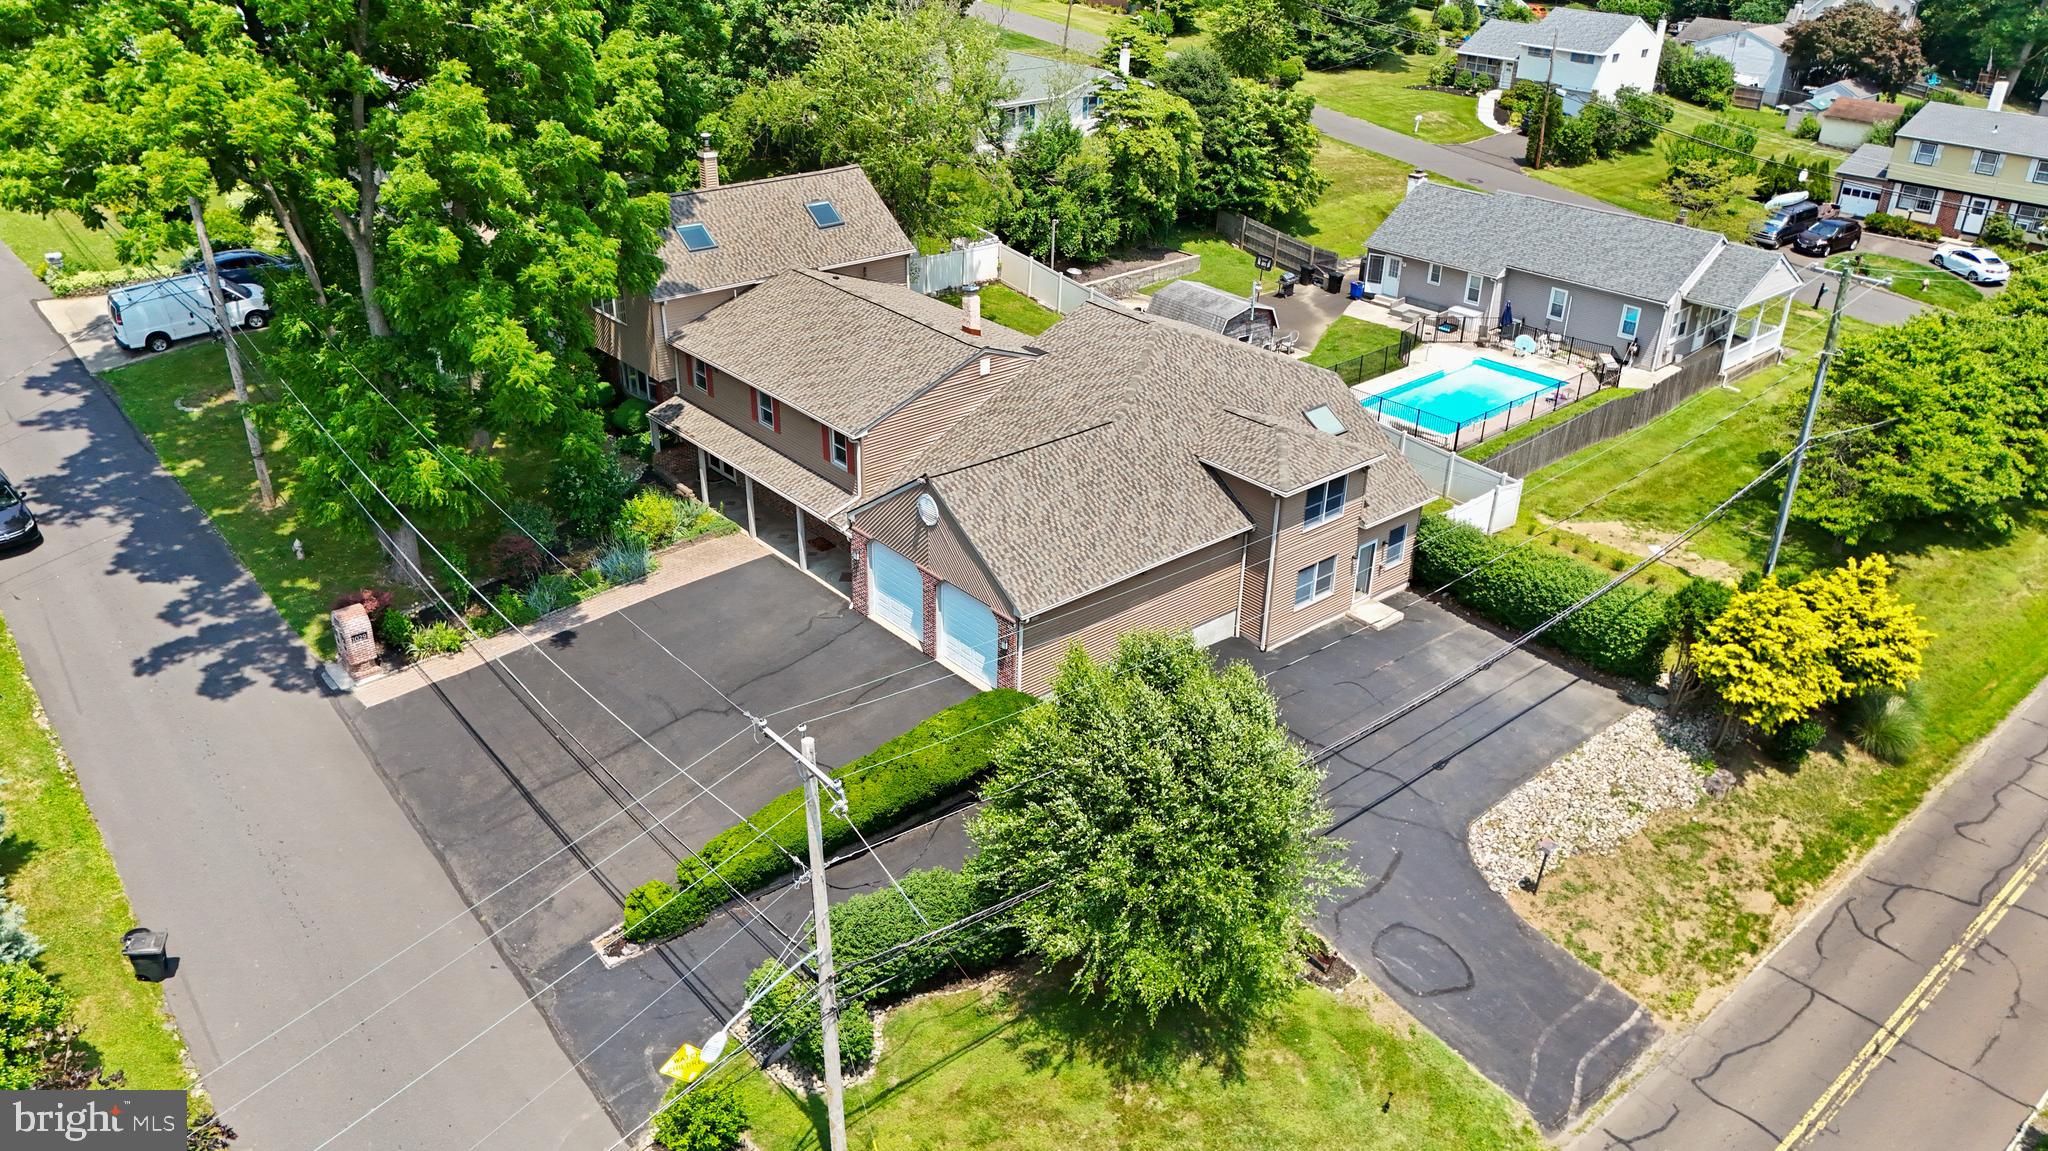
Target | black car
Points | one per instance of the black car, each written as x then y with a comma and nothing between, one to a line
1840,234
242,265
1783,225
17,523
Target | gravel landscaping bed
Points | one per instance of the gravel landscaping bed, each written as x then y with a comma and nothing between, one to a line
1596,797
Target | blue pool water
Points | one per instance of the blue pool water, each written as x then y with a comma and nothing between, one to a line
1444,401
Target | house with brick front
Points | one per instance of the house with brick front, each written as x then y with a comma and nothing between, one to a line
723,240
995,499
1954,167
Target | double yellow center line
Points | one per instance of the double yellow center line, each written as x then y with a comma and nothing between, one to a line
1875,1051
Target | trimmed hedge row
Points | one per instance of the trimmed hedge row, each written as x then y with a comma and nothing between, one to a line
917,769
868,925
1623,632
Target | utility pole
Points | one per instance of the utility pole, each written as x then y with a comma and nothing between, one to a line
1068,30
1543,125
828,988
1820,378
220,318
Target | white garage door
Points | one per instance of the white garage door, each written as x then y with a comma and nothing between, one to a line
967,635
895,592
1858,201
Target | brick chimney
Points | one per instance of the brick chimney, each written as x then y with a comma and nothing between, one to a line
1416,179
970,308
707,162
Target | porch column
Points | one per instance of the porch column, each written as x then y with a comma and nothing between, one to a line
801,560
703,478
750,507
1728,341
1784,316
1756,325
653,437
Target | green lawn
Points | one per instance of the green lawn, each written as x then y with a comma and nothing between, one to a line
1679,913
1015,41
1385,95
59,871
1085,18
1347,339
85,249
979,1069
1010,308
1543,422
210,458
1917,280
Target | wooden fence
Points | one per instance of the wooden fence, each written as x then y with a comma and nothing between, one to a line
1696,373
1287,252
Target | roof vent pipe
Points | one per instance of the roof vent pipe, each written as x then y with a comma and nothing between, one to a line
707,162
970,307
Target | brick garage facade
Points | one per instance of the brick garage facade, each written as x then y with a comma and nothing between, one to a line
1006,652
857,553
930,641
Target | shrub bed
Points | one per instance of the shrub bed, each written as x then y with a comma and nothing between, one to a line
930,762
1623,632
868,925
1888,225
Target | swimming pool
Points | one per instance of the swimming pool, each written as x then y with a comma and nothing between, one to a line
1447,400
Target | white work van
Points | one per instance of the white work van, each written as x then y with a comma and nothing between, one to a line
152,314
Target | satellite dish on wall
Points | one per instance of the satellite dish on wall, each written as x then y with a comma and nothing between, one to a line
928,510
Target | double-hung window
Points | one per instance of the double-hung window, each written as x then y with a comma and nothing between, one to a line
764,411
1538,53
1397,544
2039,173
700,376
1473,285
1915,198
838,450
1315,581
1560,306
1436,273
1988,163
1926,152
1325,503
1631,320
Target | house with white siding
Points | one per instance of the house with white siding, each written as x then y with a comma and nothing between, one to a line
1757,52
1583,54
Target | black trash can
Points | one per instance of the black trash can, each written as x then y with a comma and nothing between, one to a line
1333,281
146,951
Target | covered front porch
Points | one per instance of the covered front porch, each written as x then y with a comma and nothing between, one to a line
1751,336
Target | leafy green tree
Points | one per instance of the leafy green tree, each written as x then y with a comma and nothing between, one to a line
1860,40
775,38
1252,36
707,1117
33,1012
1177,824
1648,11
1706,188
1055,176
1258,149
1148,48
1151,141
1760,11
1767,657
1347,33
1199,76
1695,77
1877,637
902,96
1514,11
1688,615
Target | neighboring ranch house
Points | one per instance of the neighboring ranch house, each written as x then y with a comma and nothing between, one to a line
1756,50
1046,89
1606,279
1817,100
1847,123
1954,167
723,239
996,499
1585,54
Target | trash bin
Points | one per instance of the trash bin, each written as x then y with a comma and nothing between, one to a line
1358,289
1333,281
145,950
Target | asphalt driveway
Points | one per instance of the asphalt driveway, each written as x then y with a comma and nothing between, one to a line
1425,927
542,805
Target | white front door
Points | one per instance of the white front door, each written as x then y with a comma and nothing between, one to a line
967,636
895,592
1974,214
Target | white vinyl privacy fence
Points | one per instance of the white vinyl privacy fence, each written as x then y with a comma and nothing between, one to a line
1486,499
990,259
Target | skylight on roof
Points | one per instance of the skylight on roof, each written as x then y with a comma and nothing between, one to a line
1325,420
696,237
823,214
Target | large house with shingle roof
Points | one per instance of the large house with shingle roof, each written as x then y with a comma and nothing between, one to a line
996,499
1647,292
1954,167
1756,50
724,239
1583,54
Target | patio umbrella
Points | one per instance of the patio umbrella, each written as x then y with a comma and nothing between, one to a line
1507,315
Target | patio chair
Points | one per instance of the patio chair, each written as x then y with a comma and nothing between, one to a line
1525,345
1285,343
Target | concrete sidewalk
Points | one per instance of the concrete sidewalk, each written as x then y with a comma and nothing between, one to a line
243,816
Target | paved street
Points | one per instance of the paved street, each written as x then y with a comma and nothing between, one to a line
523,801
1907,1013
1425,928
242,815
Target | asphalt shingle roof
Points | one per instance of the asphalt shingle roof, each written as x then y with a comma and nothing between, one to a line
2017,133
1613,251
1706,28
761,227
1574,30
1867,162
1861,111
1737,271
1038,79
1193,302
818,495
1091,468
842,350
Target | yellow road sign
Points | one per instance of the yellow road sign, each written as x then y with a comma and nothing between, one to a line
685,1065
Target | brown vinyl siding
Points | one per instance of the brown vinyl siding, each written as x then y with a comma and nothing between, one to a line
891,449
894,523
1392,577
639,336
952,559
888,270
942,550
1175,596
731,400
1298,548
1257,503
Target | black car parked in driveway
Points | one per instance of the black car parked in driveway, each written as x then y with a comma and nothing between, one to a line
242,265
17,524
1838,234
